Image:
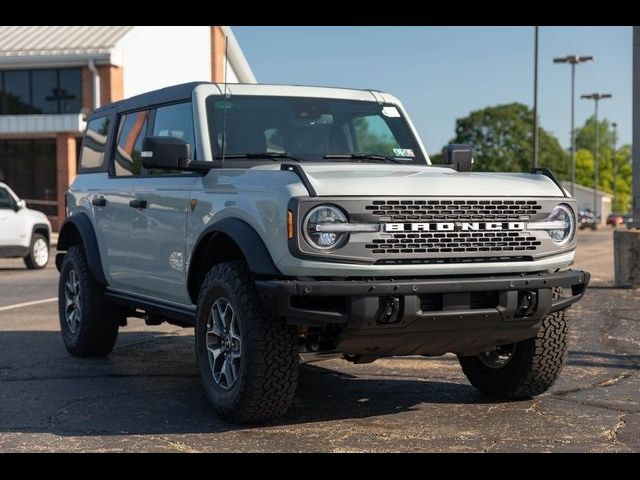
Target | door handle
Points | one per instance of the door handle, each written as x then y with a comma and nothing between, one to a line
99,202
138,203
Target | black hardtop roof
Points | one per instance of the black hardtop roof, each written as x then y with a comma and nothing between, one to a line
175,93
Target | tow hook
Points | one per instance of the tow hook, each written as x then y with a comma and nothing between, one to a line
390,308
527,303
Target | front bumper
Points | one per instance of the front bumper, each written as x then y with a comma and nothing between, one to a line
464,315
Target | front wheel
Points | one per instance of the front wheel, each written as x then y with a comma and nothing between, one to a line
89,323
524,369
38,255
248,360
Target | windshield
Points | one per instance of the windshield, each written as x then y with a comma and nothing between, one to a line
311,129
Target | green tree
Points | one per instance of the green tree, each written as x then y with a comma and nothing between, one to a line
584,168
609,162
501,137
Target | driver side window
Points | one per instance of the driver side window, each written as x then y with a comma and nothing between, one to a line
6,200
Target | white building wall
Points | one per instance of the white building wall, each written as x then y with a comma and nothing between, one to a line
160,56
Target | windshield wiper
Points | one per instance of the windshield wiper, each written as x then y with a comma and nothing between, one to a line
361,156
267,155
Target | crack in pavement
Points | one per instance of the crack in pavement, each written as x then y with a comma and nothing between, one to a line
601,384
596,405
613,434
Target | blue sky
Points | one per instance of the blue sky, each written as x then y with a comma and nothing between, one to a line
443,73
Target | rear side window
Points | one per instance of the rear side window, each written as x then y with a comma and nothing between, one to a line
94,145
131,132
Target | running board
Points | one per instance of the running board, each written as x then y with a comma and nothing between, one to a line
176,315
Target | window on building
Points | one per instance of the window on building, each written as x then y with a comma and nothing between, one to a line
16,94
94,144
69,90
44,92
40,91
127,158
29,168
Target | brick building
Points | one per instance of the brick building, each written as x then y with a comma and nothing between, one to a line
52,76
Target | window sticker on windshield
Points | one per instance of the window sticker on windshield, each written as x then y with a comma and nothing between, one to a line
404,152
390,112
224,105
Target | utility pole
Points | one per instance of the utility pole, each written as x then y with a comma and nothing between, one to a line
535,99
614,161
596,97
626,243
573,60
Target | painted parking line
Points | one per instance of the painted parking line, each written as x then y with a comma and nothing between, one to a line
28,304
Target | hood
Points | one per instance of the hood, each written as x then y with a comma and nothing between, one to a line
330,179
37,216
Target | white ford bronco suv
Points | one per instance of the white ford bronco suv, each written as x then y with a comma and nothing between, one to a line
290,224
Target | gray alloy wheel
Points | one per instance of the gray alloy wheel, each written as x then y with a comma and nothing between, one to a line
224,343
73,302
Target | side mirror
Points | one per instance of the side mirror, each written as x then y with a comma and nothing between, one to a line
20,204
168,153
459,156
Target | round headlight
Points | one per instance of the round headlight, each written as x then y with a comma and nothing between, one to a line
563,214
324,216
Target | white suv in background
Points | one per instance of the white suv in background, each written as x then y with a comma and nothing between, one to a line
24,233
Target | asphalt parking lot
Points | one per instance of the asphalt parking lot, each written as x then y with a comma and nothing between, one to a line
146,396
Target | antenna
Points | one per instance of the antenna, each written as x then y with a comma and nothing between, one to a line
224,107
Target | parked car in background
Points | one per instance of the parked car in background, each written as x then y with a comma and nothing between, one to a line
24,233
615,219
587,219
627,218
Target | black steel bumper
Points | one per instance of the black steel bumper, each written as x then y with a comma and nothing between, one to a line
464,315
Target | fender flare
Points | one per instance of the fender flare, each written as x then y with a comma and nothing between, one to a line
248,240
41,226
81,224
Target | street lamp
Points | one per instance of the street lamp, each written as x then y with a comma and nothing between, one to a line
596,97
573,60
614,160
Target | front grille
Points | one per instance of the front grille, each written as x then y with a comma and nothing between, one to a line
451,260
453,242
454,209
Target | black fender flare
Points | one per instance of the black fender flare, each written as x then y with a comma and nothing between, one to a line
41,226
248,240
81,224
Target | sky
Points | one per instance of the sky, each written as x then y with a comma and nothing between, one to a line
443,73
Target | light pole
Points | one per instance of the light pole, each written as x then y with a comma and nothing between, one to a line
614,160
535,98
573,60
596,97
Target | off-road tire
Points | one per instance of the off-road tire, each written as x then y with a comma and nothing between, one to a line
97,329
534,367
29,258
268,371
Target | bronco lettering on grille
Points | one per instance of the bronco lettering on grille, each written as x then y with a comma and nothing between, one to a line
453,226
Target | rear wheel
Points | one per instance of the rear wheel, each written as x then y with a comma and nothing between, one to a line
89,323
523,369
38,255
248,360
